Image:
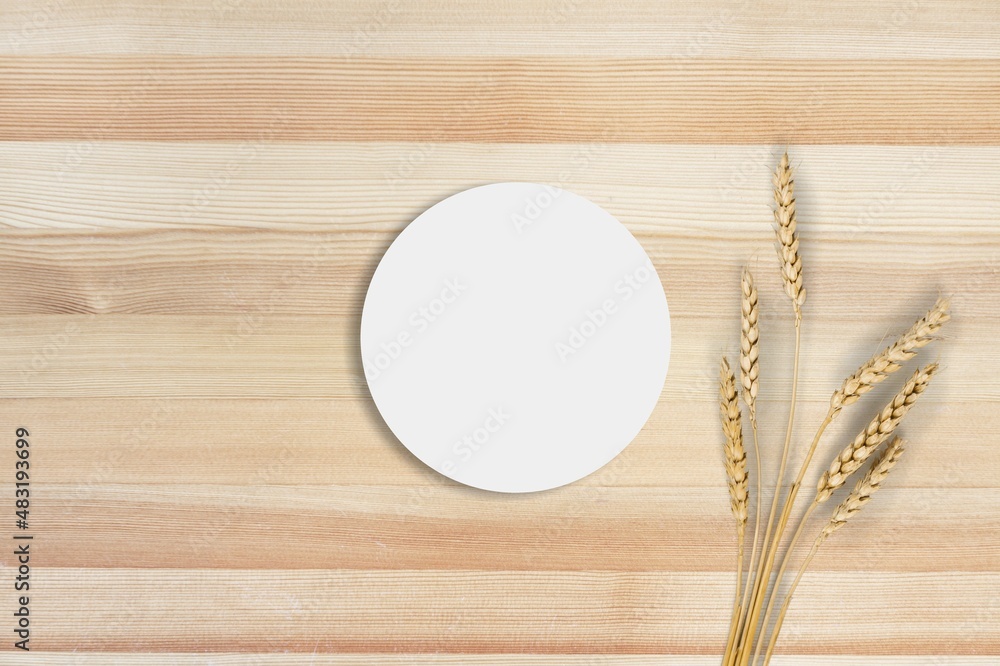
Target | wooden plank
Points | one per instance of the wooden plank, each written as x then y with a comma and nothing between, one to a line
163,610
95,98
691,193
316,357
366,659
443,526
387,28
343,442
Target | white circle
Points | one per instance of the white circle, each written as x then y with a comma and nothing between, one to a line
515,337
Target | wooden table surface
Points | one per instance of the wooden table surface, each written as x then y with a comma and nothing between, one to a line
194,195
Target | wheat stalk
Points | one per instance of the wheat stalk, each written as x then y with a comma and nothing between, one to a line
889,360
736,471
851,505
878,430
750,379
791,274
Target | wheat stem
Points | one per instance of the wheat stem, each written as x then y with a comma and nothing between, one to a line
735,614
750,377
739,570
781,572
852,457
854,502
791,273
869,374
786,512
771,540
788,598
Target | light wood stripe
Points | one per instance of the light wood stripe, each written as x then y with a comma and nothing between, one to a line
640,29
501,100
486,612
692,193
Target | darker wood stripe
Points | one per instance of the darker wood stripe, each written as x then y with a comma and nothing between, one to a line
501,100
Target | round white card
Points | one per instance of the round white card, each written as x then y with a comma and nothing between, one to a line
515,337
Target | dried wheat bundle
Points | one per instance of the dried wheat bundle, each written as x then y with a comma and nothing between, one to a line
756,595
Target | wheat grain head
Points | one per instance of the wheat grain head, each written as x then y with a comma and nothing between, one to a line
878,430
923,331
788,240
749,347
736,459
865,488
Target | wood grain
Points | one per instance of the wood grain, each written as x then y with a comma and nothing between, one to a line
88,98
512,611
193,197
643,28
355,659
852,194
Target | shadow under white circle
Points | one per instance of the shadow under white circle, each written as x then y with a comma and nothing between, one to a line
515,337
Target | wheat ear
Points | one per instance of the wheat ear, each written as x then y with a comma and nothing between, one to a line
854,502
889,360
749,350
864,488
736,470
736,459
788,240
750,378
877,369
880,366
878,430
